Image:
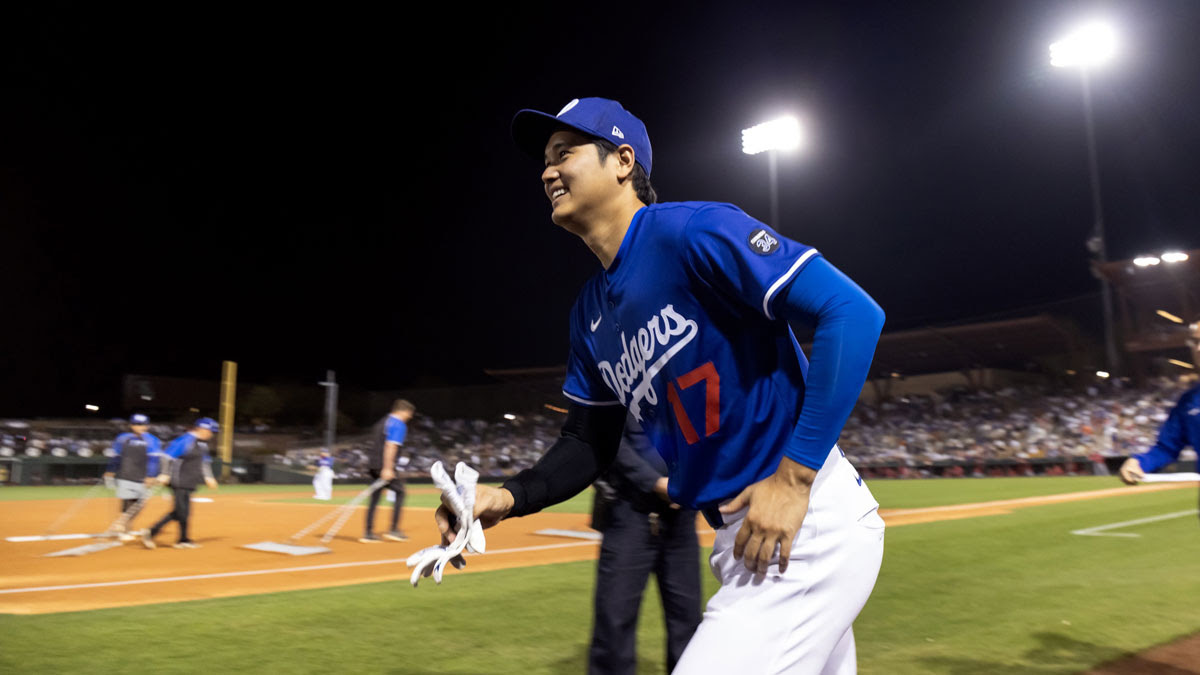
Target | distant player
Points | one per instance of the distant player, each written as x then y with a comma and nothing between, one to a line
389,435
686,327
323,481
134,465
187,463
1181,429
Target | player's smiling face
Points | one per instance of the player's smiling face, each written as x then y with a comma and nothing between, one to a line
577,183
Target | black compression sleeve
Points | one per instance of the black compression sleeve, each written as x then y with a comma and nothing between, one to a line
586,447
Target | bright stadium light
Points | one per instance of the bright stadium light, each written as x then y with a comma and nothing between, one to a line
1181,364
1091,45
93,408
1145,261
1102,374
779,134
1174,257
1168,316
509,416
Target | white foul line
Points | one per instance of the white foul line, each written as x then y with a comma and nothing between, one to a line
1099,530
250,573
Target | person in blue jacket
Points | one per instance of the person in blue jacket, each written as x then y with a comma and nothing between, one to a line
187,463
134,465
1181,429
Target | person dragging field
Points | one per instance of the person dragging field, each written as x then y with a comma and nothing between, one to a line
389,435
188,463
134,466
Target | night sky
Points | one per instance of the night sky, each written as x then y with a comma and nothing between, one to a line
300,189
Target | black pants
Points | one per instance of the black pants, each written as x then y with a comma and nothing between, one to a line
630,552
183,507
396,485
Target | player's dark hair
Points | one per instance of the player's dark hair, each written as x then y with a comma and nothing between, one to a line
641,182
403,405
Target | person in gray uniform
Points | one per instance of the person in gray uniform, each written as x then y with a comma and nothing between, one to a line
134,465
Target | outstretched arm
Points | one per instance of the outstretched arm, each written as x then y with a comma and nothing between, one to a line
585,448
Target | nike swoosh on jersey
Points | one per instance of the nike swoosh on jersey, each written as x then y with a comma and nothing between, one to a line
596,323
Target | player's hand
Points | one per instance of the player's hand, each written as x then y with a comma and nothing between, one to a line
777,504
211,483
660,489
387,473
491,505
1131,471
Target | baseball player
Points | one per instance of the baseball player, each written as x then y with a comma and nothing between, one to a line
134,464
686,328
189,462
385,451
323,481
1181,429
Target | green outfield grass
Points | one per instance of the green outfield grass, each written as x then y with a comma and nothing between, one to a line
1013,593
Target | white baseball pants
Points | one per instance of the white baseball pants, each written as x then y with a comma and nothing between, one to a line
799,621
323,484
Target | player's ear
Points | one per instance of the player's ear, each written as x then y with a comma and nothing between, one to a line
625,161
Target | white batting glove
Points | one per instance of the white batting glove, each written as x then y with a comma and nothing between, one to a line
460,497
467,478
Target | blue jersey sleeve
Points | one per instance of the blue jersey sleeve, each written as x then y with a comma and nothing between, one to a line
1172,438
848,323
396,431
742,257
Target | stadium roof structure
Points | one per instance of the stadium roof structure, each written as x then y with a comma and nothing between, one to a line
1013,344
1009,344
1156,302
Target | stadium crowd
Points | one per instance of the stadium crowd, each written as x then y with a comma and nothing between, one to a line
963,427
1022,424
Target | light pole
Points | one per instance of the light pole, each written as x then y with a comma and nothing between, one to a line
331,397
771,137
1086,48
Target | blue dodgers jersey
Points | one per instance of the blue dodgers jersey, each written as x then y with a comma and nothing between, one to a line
680,330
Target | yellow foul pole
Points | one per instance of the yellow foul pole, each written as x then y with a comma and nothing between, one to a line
228,396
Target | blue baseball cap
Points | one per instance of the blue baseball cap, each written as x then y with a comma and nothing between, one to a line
598,117
139,419
208,423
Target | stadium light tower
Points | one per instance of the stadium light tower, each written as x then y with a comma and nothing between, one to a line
1085,49
783,134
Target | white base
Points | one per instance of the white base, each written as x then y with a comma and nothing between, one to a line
571,534
289,549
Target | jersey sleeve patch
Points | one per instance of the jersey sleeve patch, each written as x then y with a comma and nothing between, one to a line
728,249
